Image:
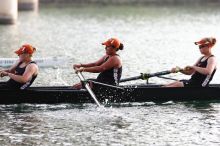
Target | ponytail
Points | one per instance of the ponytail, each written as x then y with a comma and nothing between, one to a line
121,47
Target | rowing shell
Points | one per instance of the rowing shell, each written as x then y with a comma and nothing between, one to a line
133,93
42,62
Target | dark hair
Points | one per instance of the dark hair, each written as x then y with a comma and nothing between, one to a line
213,41
121,47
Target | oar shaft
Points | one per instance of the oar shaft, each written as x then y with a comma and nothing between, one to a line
167,78
131,78
145,76
159,73
88,88
92,94
107,85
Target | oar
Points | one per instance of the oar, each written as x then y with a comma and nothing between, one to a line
107,85
167,78
145,76
82,79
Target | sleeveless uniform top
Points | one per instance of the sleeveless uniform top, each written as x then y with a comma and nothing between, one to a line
20,71
111,76
199,79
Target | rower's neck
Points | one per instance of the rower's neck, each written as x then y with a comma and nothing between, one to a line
27,61
112,55
208,55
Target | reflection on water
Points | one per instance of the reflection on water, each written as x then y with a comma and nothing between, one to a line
156,39
144,124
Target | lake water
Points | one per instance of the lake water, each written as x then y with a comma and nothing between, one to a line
155,39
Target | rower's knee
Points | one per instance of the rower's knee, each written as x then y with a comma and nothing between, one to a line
179,84
77,86
175,84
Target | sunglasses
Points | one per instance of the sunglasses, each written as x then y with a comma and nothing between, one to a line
202,46
109,47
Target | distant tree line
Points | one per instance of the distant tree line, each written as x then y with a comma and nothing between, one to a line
135,1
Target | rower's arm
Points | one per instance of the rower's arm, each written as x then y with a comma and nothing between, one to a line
211,65
110,63
30,70
97,63
188,70
12,68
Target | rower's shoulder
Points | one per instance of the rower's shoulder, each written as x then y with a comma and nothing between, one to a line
117,60
32,65
116,57
212,57
212,60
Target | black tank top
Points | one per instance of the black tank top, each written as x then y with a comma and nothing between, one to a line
20,71
111,76
201,79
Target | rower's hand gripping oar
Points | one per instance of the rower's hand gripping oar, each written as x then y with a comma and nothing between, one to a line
176,70
86,84
146,76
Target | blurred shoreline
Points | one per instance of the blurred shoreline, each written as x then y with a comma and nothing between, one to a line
134,2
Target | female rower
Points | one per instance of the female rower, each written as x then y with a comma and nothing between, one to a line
203,70
23,73
109,66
